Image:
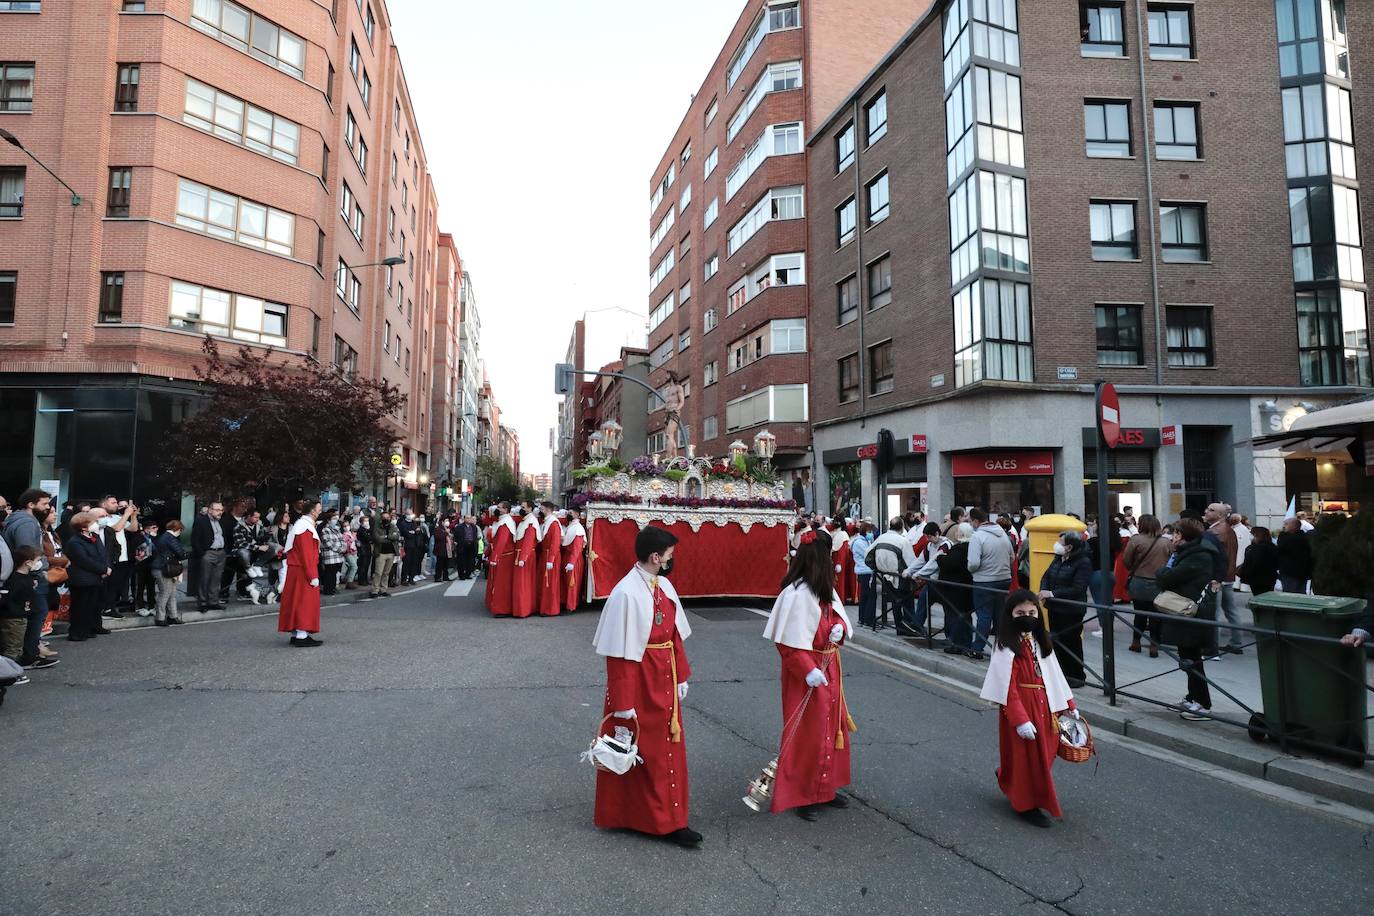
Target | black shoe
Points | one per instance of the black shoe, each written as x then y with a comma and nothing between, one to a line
101,631
686,837
214,607
839,801
306,643
1035,817
975,655
161,623
40,663
113,615
77,637
953,650
174,621
807,812
384,595
909,633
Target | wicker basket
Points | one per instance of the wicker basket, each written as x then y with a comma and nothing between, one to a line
1071,753
602,724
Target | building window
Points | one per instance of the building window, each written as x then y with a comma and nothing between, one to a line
1113,230
877,193
9,284
711,374
777,204
24,6
992,332
238,122
215,311
686,154
1101,28
1333,338
711,213
711,111
1309,133
1171,32
776,140
845,217
355,58
847,296
16,86
775,404
386,337
407,363
319,248
315,337
661,354
391,222
11,192
131,6
880,283
117,200
345,357
779,77
365,90
1119,339
788,335
685,292
1107,127
881,377
370,23
709,321
349,288
1183,231
663,268
241,28
1190,336
875,119
712,266
710,428
126,88
849,378
111,309
844,148
1176,131
773,18
661,312
233,218
712,160
684,340
1301,38
686,198
661,230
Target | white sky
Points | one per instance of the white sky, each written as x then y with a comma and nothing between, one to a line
543,122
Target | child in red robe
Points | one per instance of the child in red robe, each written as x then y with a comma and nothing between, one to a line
640,634
1025,680
574,560
549,566
299,614
809,629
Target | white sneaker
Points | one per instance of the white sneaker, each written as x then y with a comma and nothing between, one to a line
145,612
253,592
1192,711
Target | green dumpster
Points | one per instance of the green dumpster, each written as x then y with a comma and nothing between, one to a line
1314,693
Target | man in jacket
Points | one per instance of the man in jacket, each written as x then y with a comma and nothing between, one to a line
119,522
22,529
386,543
1295,557
1218,518
465,537
891,559
210,541
1064,590
989,559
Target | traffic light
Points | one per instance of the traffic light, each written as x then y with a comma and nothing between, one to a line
563,374
887,452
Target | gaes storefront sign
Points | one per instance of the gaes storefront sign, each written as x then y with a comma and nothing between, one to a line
1004,464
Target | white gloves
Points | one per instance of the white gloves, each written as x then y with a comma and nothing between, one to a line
548,566
682,691
519,562
836,633
624,713
816,678
314,583
839,567
1026,730
568,568
1074,713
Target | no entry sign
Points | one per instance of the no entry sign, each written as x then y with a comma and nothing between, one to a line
1109,414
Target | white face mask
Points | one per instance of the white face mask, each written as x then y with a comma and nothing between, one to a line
1059,548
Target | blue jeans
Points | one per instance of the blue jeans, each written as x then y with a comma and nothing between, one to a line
923,606
33,628
988,597
868,601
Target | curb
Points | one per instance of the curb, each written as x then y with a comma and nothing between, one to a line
1223,746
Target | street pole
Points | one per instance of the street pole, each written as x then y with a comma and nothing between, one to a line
1104,559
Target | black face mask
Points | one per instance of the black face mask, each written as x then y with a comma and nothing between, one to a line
1025,624
666,569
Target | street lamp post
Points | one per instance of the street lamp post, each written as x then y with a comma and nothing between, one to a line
14,141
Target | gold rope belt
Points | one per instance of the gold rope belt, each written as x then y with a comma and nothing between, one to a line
847,724
1034,686
674,729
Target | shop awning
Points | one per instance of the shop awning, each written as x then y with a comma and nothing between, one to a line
1328,432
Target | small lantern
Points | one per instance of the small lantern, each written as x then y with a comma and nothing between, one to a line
611,431
595,447
738,449
765,445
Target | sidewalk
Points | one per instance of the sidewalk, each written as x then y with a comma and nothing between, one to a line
1217,743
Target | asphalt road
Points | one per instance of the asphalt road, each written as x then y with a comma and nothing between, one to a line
425,760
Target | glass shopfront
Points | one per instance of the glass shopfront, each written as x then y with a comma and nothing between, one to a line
1004,482
1130,472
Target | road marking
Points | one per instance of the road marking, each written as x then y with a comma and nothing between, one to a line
1255,784
363,600
460,588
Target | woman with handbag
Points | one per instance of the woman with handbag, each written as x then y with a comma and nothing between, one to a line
1064,589
1024,679
1146,551
1188,574
168,563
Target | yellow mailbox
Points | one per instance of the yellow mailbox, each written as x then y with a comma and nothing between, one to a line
1043,531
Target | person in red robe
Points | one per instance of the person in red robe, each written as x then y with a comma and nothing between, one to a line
299,614
549,564
1025,680
839,549
640,634
574,560
525,576
808,624
501,564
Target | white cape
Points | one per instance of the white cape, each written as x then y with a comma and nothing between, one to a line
303,524
838,539
797,614
506,522
549,523
572,531
998,681
623,628
525,524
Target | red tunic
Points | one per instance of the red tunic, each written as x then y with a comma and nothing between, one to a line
811,767
300,601
1024,775
500,565
572,591
523,594
652,796
1121,592
550,590
850,592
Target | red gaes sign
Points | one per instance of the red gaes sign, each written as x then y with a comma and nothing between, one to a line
867,452
1004,464
1168,435
1109,414
920,445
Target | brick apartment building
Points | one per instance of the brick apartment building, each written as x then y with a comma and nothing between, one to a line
453,432
728,220
1162,195
243,166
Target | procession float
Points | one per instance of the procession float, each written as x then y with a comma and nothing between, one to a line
731,517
